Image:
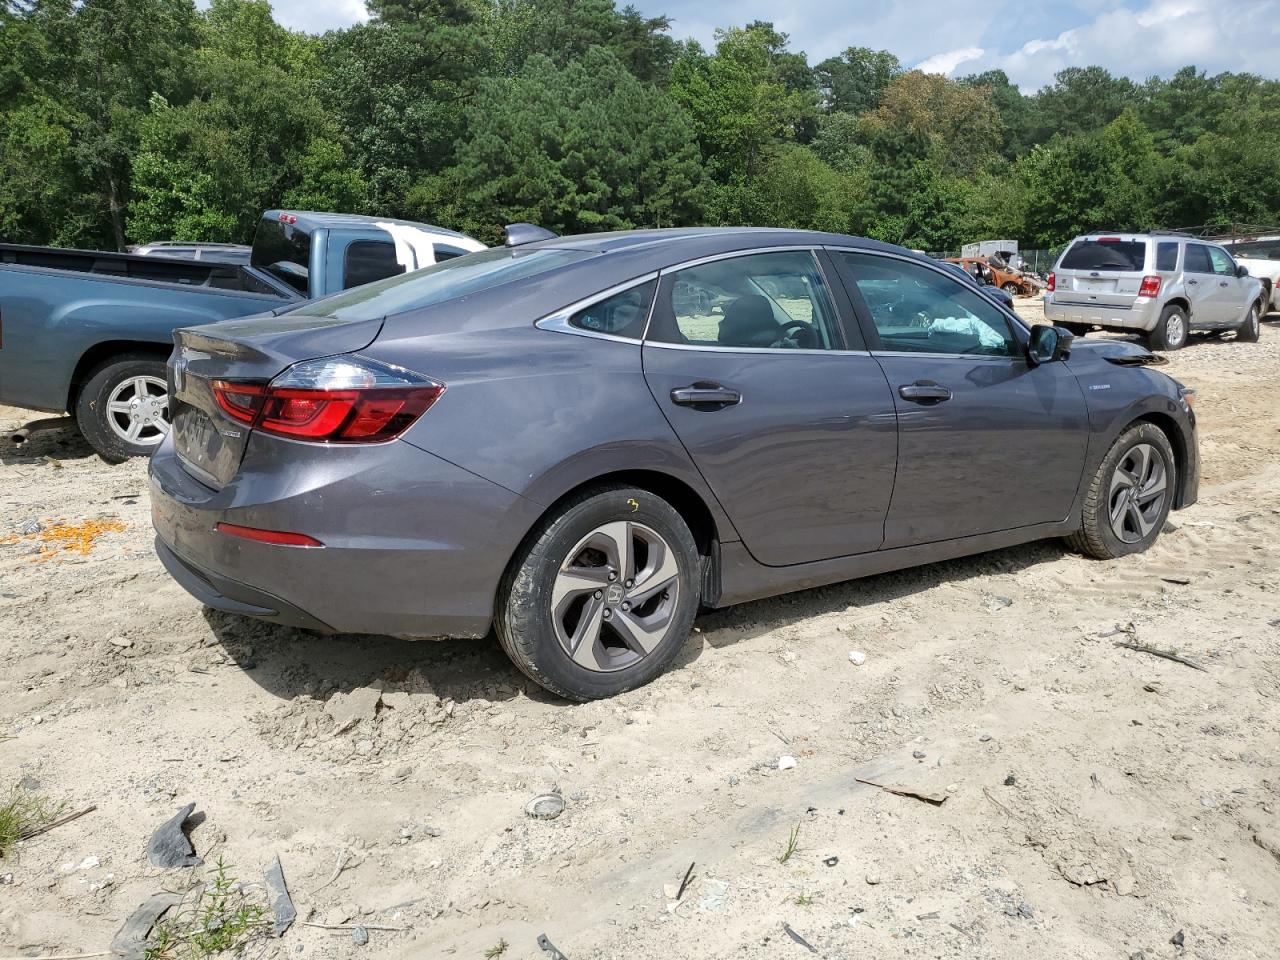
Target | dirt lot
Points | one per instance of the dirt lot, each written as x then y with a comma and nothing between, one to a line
1100,802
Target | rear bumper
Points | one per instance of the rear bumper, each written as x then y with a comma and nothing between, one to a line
413,545
1068,308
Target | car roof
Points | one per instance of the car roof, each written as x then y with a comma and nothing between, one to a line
310,220
645,250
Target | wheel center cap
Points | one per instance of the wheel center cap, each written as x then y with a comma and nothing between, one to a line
613,594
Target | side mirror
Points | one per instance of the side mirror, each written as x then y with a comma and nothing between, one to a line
1048,344
1242,271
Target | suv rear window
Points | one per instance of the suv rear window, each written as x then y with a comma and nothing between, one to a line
1128,255
284,251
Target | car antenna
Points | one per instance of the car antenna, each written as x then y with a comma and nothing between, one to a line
522,233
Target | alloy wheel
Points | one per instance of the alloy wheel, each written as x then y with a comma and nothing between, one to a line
1175,331
1139,486
614,597
136,410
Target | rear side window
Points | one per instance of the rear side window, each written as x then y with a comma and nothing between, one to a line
369,260
1166,256
1115,255
454,278
622,315
284,251
1258,249
1197,259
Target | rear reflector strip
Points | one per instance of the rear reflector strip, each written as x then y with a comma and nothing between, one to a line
281,538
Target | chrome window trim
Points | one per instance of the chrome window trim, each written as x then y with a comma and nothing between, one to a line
662,345
559,321
1020,324
966,357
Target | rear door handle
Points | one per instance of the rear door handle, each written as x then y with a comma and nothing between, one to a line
924,391
712,394
1223,283
1193,282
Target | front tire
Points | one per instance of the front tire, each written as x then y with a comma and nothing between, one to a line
121,409
1171,330
1251,329
1011,288
1129,497
602,595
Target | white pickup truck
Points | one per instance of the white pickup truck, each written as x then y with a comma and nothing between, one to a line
1262,256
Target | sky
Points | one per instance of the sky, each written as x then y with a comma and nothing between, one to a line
1030,39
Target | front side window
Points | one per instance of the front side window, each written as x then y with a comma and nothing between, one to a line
916,309
1196,259
1222,264
369,260
622,315
1166,256
761,301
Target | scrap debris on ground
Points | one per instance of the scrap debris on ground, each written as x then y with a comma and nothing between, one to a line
1099,803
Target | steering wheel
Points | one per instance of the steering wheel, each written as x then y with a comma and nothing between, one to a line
804,334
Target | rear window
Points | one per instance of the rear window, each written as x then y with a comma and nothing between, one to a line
1166,256
458,277
1197,259
1124,255
284,251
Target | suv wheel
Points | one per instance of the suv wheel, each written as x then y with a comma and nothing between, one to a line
121,409
1129,498
1011,288
1251,329
1171,330
602,595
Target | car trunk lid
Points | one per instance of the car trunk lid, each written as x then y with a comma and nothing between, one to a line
208,442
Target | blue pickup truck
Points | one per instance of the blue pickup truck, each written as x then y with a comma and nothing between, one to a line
89,332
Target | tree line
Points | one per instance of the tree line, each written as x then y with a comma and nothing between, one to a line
126,121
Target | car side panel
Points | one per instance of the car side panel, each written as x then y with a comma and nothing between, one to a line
541,412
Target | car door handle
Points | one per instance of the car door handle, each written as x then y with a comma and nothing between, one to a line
1223,283
705,393
924,391
1193,282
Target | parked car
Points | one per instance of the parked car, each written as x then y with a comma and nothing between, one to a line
1161,285
89,332
1261,256
983,284
176,249
1010,281
542,439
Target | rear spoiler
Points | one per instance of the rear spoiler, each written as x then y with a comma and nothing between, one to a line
522,233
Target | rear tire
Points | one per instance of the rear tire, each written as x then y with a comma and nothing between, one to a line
1251,329
1129,497
1171,330
121,407
580,619
1011,288
1077,329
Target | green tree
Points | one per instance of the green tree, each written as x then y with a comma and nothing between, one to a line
580,148
854,81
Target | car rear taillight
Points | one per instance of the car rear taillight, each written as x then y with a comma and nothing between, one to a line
1052,283
1150,287
335,400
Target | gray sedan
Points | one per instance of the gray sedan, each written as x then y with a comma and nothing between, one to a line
576,443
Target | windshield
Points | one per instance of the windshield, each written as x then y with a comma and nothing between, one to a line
1105,255
458,277
1268,249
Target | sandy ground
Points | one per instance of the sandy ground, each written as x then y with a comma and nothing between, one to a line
1100,802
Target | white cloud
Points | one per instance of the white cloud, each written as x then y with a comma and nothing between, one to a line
317,16
946,63
1155,39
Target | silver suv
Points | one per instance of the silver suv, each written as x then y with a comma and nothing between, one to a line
1161,284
